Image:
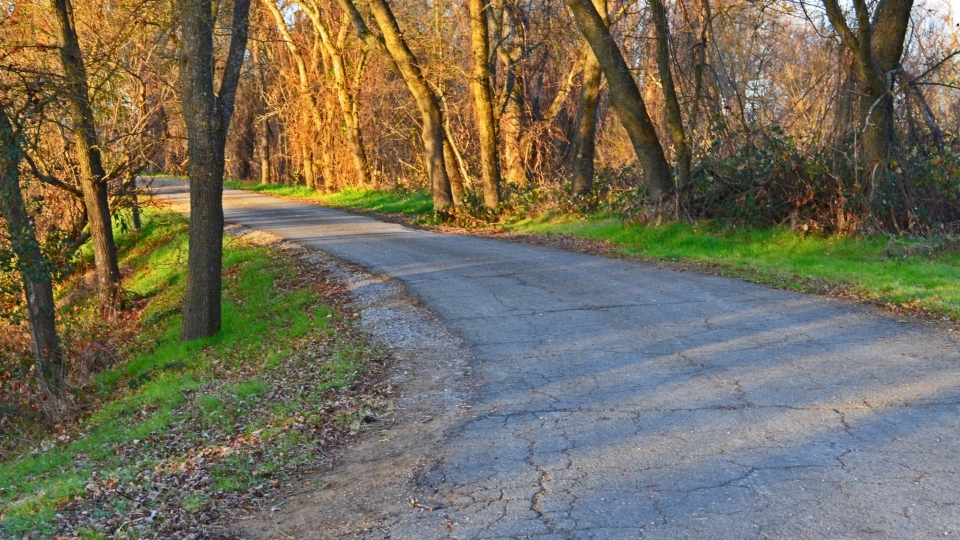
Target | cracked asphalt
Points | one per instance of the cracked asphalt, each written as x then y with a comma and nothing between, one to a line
622,400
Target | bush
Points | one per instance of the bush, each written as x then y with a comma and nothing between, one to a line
771,180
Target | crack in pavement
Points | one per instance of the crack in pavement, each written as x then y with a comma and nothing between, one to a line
608,399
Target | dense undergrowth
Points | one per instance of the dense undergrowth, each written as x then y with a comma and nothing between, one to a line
164,438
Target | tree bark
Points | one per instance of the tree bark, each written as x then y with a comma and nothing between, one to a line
585,135
263,142
306,165
671,101
33,267
877,47
263,128
405,63
483,99
512,119
451,163
92,174
627,103
207,116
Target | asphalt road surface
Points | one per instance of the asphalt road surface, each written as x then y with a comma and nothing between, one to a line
621,400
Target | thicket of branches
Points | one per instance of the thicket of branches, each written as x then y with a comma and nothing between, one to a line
769,95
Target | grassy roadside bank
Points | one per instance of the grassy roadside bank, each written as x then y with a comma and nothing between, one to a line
907,275
172,437
412,203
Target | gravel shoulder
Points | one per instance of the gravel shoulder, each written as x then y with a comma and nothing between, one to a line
377,476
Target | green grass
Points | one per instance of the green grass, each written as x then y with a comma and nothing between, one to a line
168,387
876,268
872,268
388,202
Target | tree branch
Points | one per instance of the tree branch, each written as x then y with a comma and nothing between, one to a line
232,69
839,22
47,179
933,68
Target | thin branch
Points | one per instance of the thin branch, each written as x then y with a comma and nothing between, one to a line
47,179
933,68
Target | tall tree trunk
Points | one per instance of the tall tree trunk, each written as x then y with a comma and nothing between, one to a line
405,63
625,96
263,127
33,267
585,128
207,116
584,147
483,99
671,102
92,174
512,118
699,60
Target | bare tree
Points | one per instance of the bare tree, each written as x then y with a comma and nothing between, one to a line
33,267
93,177
584,144
877,46
510,51
671,101
349,108
405,62
263,129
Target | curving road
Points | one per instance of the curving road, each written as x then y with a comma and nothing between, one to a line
621,400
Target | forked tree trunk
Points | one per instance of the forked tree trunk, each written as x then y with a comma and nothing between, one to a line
674,117
584,147
483,99
877,46
625,96
207,116
34,272
92,174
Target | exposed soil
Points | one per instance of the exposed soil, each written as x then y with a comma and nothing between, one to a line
376,476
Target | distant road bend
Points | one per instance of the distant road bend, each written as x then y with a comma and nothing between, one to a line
620,400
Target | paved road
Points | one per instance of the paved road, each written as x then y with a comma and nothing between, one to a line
621,400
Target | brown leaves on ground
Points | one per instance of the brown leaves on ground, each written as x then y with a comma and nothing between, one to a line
247,453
